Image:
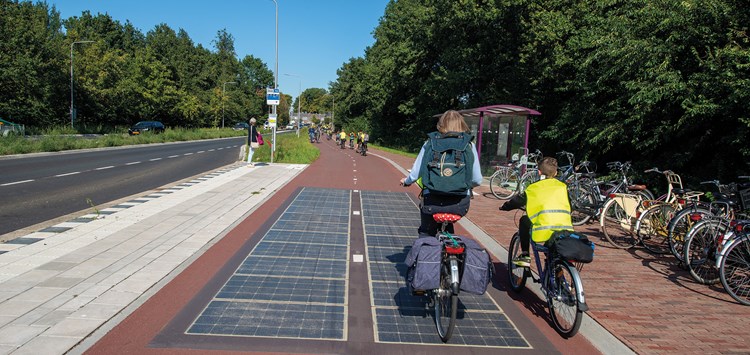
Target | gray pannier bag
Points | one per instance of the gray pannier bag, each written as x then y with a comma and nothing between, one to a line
478,268
423,263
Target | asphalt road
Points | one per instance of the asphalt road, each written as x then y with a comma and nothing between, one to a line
41,187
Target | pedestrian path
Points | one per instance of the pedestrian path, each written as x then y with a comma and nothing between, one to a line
60,284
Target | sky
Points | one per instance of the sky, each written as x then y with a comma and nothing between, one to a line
316,37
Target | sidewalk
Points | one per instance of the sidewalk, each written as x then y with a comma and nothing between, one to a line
59,285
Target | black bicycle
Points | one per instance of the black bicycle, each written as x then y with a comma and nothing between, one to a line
363,149
444,299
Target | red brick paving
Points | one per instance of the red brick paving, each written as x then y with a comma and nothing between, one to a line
645,300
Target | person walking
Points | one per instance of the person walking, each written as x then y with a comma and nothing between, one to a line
252,141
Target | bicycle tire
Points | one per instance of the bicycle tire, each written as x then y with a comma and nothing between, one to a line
734,270
700,251
611,223
517,275
563,300
679,227
504,183
580,198
446,306
529,177
652,227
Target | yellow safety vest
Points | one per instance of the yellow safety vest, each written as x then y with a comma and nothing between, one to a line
548,208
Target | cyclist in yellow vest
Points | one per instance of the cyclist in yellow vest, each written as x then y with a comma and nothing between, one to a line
547,210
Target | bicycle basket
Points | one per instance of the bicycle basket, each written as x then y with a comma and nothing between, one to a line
745,198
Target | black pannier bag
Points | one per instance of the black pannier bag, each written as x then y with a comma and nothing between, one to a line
571,246
423,263
478,269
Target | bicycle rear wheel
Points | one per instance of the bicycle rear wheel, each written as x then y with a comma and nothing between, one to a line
516,274
446,305
652,228
563,299
699,252
581,204
615,225
679,227
504,183
735,270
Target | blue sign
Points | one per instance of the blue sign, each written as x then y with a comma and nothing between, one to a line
273,97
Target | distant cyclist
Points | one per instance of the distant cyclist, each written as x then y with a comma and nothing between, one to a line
351,139
342,139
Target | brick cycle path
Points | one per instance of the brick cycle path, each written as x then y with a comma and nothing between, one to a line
645,300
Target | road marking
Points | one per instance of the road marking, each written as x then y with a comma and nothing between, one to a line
17,182
155,159
172,156
212,150
188,154
105,167
133,163
67,174
201,151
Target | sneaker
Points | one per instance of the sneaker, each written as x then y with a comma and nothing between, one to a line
522,261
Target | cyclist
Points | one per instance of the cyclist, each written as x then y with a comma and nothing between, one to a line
547,210
311,133
342,138
365,138
435,201
359,140
351,139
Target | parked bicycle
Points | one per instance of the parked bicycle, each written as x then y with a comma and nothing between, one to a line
734,262
507,181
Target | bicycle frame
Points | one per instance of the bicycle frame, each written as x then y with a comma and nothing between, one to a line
546,278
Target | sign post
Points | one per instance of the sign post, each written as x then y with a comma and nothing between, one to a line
273,99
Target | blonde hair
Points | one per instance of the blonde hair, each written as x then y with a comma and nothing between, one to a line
452,121
548,167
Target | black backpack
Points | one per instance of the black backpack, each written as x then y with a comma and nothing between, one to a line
447,163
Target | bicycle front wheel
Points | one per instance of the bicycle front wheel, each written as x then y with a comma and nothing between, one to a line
652,228
615,224
446,305
504,183
516,274
581,203
563,299
735,270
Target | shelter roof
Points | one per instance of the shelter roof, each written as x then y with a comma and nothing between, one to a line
498,110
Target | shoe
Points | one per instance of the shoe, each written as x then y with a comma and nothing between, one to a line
522,261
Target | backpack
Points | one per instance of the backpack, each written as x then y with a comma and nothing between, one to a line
447,163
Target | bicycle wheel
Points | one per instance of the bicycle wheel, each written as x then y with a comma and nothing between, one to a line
529,177
516,274
700,251
679,227
652,228
735,270
504,183
563,299
581,204
615,225
446,305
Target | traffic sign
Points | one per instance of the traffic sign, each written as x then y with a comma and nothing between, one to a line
272,120
273,97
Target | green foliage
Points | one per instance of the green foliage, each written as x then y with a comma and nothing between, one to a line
290,149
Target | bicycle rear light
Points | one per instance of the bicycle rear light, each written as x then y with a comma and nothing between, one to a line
454,250
695,217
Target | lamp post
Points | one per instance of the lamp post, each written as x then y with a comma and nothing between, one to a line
275,78
299,101
223,88
71,79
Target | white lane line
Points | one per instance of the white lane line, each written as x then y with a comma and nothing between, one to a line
105,167
188,154
16,183
155,159
133,163
212,150
68,174
201,151
172,156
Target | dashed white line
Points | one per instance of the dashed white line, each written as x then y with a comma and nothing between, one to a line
188,154
133,163
201,151
16,182
172,156
68,174
105,167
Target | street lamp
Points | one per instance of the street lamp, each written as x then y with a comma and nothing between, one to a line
71,79
275,79
299,101
223,88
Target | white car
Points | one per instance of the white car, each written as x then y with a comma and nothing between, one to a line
290,126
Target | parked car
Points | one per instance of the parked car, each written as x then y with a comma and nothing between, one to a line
240,126
291,126
146,126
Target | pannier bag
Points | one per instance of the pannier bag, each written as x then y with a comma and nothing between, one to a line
478,269
572,246
423,265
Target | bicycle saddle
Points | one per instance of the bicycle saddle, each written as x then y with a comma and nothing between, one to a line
636,187
445,217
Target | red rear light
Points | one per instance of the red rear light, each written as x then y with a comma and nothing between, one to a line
612,195
681,201
454,250
695,217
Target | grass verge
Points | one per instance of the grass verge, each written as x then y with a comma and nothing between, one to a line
290,149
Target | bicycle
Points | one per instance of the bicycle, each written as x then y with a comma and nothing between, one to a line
507,181
560,281
734,262
363,149
444,299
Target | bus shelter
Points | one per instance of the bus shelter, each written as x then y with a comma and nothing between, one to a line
500,132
